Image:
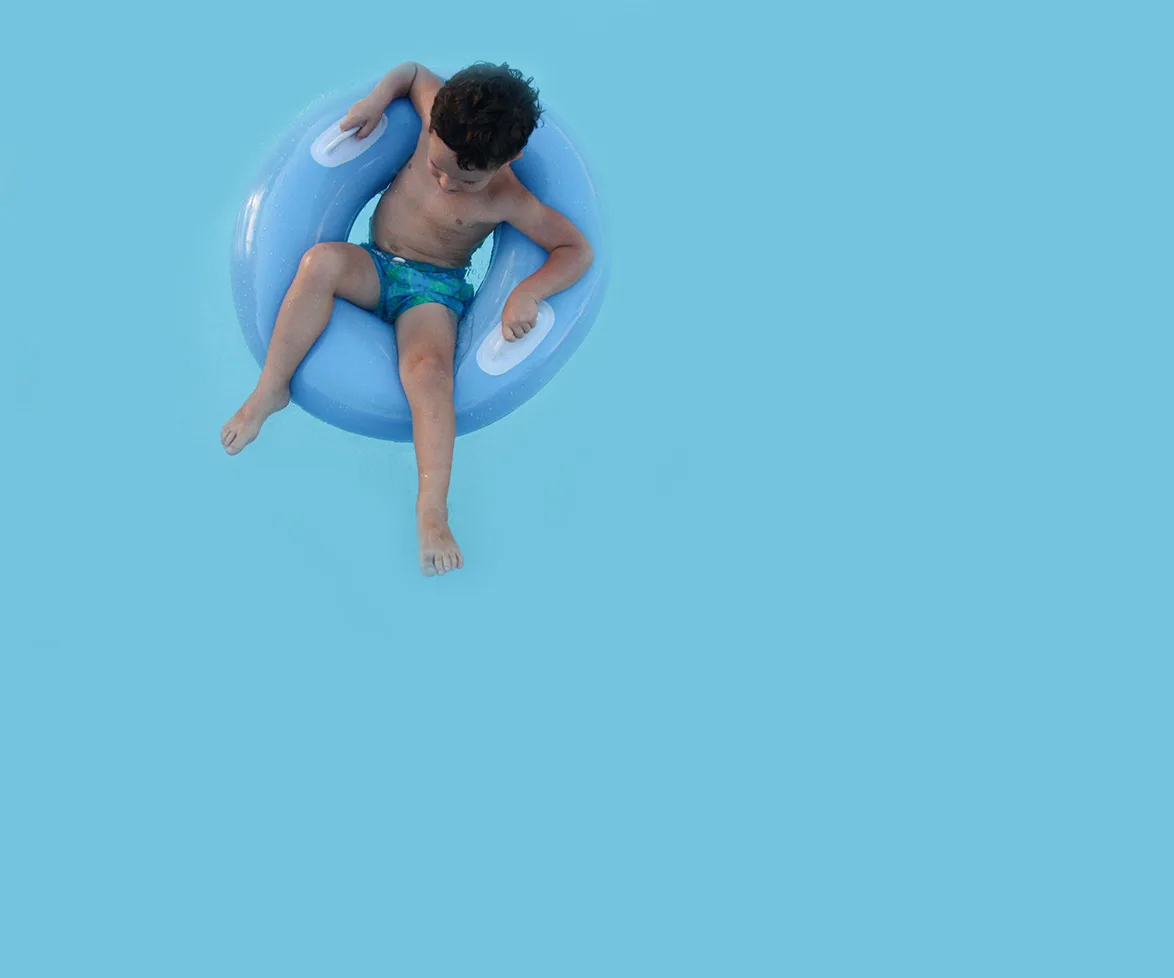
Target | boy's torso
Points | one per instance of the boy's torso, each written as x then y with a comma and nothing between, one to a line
417,220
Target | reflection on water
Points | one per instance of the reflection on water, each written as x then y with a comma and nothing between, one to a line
479,263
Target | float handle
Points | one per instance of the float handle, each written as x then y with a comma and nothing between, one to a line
339,138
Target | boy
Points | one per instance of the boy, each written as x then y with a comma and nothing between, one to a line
450,195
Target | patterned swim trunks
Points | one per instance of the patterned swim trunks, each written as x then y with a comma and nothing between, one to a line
404,284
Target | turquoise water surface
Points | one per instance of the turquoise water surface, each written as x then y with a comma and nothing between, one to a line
816,619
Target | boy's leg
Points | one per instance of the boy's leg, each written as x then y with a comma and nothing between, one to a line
426,336
330,269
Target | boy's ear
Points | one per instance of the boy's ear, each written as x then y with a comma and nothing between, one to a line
519,156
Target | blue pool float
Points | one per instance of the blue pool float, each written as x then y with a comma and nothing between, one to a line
312,189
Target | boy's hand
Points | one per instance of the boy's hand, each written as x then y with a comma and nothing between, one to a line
519,315
365,114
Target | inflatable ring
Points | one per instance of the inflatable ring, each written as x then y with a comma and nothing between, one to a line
313,187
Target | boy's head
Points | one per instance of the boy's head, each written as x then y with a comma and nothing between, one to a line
482,117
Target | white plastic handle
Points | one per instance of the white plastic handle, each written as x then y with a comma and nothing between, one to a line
334,148
496,355
339,138
499,346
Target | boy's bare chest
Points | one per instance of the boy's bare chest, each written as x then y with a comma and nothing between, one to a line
415,205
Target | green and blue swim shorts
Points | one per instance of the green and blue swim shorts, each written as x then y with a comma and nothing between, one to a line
404,284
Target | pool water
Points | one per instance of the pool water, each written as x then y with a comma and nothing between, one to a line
815,617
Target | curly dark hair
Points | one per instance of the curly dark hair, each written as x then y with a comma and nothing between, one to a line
485,114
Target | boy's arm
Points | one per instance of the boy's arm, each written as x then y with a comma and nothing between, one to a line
569,253
569,256
395,84
410,79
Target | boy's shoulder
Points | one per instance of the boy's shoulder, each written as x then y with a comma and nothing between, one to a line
509,193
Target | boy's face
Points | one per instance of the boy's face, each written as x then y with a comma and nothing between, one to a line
442,165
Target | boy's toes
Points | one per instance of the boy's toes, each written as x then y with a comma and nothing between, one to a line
439,553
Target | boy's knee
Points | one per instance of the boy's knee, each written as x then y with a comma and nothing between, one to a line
425,370
325,263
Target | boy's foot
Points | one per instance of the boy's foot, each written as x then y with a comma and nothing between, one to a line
243,426
439,552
